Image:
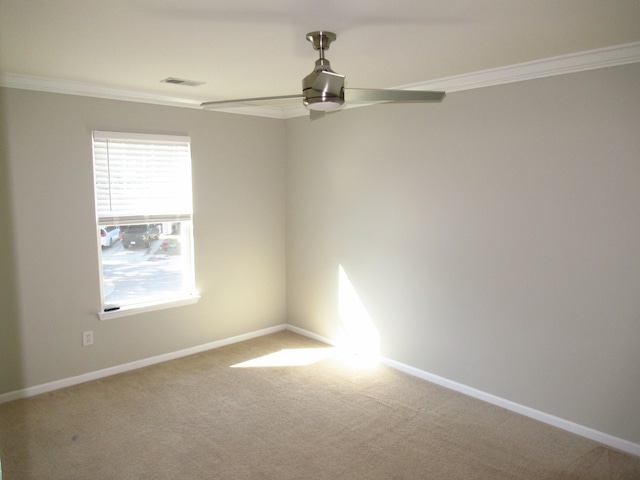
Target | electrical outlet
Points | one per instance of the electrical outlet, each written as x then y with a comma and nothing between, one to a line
87,338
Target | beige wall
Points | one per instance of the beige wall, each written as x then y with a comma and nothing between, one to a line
49,253
494,239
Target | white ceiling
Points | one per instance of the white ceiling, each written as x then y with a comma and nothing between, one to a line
251,48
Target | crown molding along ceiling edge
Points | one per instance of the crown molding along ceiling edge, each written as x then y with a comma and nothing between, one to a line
560,65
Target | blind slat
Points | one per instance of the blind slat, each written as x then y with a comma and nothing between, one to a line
142,219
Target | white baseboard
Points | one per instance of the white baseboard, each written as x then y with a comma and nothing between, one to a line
567,425
314,336
86,377
595,435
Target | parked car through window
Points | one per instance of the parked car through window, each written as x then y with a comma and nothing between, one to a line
139,235
108,235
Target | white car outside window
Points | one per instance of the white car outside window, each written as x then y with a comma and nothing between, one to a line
108,235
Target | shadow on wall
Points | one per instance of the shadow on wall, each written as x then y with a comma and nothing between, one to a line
11,378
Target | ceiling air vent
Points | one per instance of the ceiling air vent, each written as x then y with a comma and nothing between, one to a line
181,81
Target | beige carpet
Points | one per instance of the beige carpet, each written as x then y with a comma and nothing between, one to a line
201,418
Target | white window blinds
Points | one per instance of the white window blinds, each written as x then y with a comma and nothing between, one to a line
141,178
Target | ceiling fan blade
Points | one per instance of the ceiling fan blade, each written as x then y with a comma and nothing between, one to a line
241,101
364,95
329,82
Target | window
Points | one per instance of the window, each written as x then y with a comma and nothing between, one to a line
144,219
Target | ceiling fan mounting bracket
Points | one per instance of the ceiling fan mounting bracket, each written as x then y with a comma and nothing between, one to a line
321,39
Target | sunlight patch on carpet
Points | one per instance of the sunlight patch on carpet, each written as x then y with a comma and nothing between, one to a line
290,357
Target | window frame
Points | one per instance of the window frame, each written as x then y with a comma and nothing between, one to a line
108,310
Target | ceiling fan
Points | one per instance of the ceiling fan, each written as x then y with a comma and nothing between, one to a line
323,89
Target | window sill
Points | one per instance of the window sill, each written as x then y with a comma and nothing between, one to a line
148,307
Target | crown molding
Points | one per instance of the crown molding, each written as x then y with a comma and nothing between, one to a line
70,87
548,67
